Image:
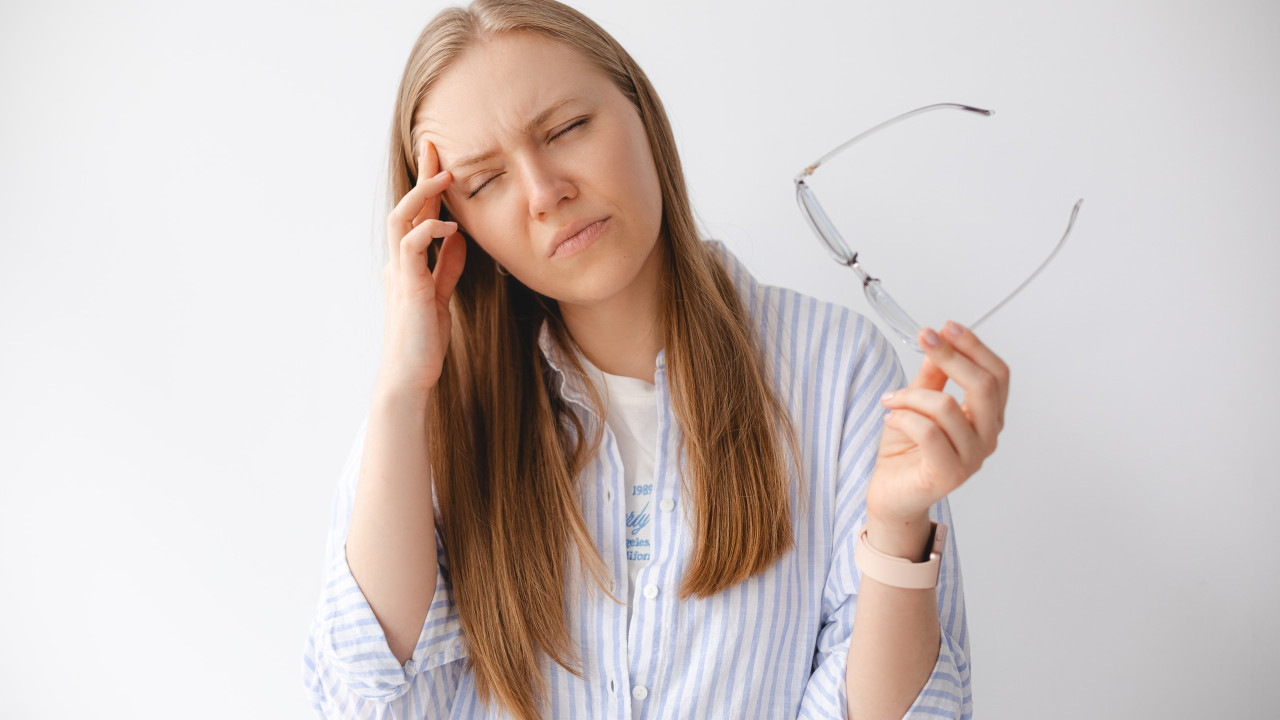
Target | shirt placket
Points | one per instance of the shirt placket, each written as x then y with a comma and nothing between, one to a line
611,541
613,535
653,617
644,652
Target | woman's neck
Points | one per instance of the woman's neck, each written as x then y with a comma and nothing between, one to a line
623,335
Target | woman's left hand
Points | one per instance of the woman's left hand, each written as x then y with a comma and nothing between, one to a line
931,444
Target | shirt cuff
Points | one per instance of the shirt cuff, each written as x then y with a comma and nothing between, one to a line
351,640
947,693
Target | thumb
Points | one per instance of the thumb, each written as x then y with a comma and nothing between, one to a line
449,264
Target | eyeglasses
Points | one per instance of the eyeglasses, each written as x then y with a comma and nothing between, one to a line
897,318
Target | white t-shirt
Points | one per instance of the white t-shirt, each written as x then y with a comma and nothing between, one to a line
632,415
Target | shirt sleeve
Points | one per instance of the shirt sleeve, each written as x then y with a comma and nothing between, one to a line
348,669
946,694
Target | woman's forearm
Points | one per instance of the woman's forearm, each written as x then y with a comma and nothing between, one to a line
391,542
895,631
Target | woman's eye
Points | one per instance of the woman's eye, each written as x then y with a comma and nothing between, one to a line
575,124
583,121
486,182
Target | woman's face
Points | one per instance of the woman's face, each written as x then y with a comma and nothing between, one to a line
541,144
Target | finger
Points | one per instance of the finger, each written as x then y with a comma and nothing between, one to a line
429,165
396,227
945,470
929,376
423,201
943,410
433,167
413,249
968,343
449,264
983,397
402,218
425,155
429,181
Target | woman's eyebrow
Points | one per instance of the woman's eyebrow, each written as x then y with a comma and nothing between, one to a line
537,121
472,160
542,117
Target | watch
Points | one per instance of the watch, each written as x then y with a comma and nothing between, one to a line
901,572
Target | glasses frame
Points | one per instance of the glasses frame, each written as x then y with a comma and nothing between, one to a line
880,300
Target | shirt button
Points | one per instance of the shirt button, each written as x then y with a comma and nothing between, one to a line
651,591
667,504
639,693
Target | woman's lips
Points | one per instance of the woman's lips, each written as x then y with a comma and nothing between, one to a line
581,241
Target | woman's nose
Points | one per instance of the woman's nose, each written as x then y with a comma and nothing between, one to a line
547,187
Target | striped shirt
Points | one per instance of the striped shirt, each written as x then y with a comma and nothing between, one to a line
774,646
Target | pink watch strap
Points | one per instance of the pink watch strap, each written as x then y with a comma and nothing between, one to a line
901,572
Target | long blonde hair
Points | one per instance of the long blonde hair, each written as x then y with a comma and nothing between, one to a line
507,450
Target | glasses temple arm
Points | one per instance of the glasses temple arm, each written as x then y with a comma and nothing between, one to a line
865,133
1074,211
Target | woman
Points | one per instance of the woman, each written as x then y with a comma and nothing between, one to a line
603,466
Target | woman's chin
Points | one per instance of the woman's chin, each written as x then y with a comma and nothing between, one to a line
594,286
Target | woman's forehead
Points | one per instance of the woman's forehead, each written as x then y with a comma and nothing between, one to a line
501,90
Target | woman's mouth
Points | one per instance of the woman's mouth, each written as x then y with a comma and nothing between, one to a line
584,239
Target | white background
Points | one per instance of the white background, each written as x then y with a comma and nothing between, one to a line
190,312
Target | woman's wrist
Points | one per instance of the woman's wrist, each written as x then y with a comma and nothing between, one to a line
907,538
392,395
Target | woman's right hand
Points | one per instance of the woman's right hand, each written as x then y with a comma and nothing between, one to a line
416,333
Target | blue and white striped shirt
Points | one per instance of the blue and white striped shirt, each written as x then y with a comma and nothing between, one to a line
774,646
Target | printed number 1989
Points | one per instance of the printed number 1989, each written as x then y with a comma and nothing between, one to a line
642,489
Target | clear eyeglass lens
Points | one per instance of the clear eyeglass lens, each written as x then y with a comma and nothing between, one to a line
899,321
822,226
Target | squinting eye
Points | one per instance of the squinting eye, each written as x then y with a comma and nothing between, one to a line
576,124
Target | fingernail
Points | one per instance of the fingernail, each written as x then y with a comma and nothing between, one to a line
954,329
439,175
886,397
931,338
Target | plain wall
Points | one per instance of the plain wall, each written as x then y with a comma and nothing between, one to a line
190,311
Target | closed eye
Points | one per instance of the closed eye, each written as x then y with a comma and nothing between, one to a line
575,124
579,123
486,182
